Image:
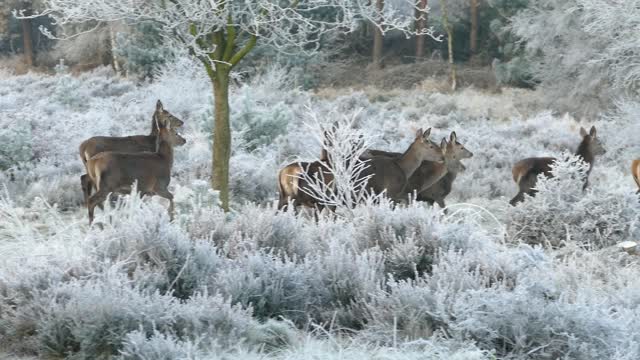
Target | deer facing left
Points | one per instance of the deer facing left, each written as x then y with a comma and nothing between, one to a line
112,171
131,144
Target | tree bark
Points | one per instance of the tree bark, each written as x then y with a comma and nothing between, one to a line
221,134
447,26
473,38
27,39
377,38
421,24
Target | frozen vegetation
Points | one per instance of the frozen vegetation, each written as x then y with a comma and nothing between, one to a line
543,280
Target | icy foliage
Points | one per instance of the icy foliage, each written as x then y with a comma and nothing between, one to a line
486,280
561,212
579,50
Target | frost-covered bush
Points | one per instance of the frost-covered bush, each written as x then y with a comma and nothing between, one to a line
15,137
562,213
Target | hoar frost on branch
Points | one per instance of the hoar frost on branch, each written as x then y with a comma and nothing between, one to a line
281,24
345,186
220,33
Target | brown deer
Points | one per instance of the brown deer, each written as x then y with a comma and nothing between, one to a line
525,172
453,152
432,181
635,171
138,143
391,174
290,181
112,171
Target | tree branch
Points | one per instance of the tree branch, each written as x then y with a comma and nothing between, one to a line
253,39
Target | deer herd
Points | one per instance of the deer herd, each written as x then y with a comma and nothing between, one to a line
426,169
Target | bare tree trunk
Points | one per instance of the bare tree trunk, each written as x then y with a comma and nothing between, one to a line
112,45
221,134
27,38
449,30
377,38
421,24
473,40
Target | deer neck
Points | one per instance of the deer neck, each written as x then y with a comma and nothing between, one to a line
410,161
439,171
585,153
165,150
154,126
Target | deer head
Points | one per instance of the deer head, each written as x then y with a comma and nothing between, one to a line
593,142
425,149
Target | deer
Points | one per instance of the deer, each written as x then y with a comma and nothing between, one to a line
290,181
112,170
392,173
635,171
453,152
525,172
432,181
138,143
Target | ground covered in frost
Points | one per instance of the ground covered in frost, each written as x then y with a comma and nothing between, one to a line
541,281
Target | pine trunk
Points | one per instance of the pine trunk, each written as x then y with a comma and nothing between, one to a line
27,40
421,24
377,38
221,134
473,39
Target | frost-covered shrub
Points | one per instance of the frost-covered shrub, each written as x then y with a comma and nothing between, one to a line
273,287
156,252
562,213
16,139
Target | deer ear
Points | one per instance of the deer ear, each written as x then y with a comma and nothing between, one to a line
443,145
427,133
159,106
583,132
453,137
419,133
592,132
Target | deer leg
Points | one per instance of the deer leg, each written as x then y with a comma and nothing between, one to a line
283,202
85,183
94,200
167,195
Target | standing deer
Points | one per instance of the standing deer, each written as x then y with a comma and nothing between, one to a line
635,171
138,143
290,181
453,152
112,171
525,172
432,181
393,173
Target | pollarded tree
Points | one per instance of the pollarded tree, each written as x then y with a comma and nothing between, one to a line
220,33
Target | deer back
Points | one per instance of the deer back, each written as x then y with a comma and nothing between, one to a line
635,171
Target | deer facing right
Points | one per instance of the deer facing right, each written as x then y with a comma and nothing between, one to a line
391,174
635,171
112,171
525,172
138,143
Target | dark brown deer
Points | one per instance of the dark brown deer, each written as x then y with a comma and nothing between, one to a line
453,152
112,171
138,143
525,172
391,174
433,179
635,171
